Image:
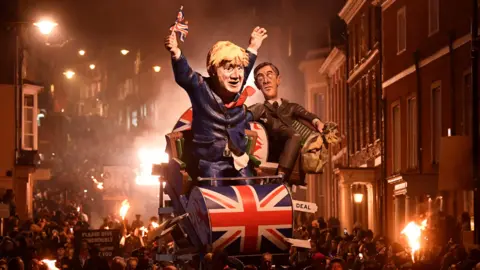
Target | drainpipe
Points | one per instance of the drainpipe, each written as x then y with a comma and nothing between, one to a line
475,119
416,59
382,128
347,95
453,106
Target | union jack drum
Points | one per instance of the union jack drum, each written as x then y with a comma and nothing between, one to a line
242,219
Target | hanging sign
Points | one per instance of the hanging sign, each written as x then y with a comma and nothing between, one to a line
304,206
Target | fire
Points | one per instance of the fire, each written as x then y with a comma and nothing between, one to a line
154,224
124,208
99,184
413,232
50,264
107,228
147,158
143,230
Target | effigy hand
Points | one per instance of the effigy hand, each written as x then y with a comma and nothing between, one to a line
256,38
330,132
171,44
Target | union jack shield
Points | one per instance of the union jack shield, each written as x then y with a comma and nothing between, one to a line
249,219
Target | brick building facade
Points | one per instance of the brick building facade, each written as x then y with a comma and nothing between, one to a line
360,175
426,83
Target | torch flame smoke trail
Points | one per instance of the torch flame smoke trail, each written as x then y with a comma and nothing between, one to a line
413,232
124,209
50,264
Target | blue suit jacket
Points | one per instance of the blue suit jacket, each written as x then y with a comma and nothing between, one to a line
213,125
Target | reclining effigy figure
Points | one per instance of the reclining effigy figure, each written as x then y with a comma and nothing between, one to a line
278,116
219,115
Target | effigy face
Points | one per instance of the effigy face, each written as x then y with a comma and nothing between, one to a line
243,219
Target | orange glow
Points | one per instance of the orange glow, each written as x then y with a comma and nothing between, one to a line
50,264
149,157
124,209
413,232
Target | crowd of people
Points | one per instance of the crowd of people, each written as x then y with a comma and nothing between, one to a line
48,240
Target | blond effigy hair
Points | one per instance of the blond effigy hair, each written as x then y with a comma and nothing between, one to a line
225,51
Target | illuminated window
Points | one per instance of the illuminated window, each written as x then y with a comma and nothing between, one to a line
29,122
134,119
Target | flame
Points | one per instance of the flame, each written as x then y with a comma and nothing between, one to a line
149,157
78,209
50,264
413,232
124,208
143,230
107,228
99,184
154,224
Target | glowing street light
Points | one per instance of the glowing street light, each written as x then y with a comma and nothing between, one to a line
157,68
69,74
45,27
81,52
92,66
124,52
358,197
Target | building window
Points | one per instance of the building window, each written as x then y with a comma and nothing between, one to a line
436,121
412,133
401,30
134,119
81,109
433,16
397,138
29,125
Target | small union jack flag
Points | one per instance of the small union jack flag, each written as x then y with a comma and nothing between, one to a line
185,121
180,26
249,219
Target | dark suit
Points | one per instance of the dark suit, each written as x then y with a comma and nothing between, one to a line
286,141
213,126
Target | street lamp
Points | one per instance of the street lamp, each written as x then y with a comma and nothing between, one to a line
157,68
81,52
124,52
45,26
92,66
69,74
358,197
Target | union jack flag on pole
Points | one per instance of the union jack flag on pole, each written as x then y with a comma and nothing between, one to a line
180,26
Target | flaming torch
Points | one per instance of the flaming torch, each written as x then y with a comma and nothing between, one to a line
413,232
147,158
124,209
154,224
50,264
